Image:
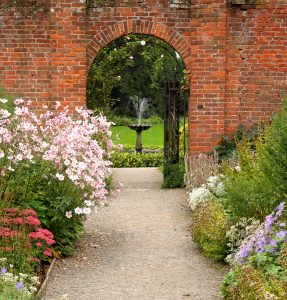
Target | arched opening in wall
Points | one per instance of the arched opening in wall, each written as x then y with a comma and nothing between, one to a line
140,83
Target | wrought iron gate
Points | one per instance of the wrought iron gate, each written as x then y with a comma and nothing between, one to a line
171,123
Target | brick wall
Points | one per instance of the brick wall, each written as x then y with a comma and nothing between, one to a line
235,53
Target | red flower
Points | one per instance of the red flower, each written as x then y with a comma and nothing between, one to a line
32,221
29,212
35,259
18,221
5,220
11,210
46,232
4,231
48,252
39,244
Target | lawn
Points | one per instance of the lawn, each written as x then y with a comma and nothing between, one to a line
151,138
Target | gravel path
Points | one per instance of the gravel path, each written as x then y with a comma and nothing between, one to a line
138,248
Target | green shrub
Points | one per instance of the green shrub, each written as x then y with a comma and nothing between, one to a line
208,228
173,175
227,146
136,160
125,121
35,186
248,194
261,184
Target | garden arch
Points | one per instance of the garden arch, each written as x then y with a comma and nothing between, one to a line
174,39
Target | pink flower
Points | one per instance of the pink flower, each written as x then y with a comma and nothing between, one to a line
35,259
48,252
18,221
29,212
69,214
39,244
32,221
120,147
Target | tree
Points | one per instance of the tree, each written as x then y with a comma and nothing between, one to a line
133,65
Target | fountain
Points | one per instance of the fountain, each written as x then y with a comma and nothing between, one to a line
140,106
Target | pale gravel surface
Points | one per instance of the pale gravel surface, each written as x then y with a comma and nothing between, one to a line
138,248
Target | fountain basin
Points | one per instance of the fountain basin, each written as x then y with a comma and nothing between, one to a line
139,128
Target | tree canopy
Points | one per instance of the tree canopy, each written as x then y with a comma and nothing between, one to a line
133,65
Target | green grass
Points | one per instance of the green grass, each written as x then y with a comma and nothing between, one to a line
151,138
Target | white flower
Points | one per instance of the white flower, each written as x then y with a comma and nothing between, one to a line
143,43
86,210
237,168
3,100
69,214
131,57
2,154
18,101
88,203
78,211
60,176
198,195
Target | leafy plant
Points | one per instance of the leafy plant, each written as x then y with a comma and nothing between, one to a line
259,266
14,285
136,160
173,175
55,164
23,242
208,229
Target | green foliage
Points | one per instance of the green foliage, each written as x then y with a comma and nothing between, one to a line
261,184
272,155
209,226
173,175
125,120
136,160
34,186
227,146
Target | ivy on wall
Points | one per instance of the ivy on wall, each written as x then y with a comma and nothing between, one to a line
30,7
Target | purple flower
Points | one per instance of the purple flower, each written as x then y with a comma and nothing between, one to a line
19,285
3,270
281,234
262,239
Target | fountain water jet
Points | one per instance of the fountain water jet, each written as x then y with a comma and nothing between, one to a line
140,106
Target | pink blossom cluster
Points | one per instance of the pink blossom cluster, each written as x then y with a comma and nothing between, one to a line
78,145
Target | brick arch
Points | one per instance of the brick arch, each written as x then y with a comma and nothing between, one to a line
158,30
